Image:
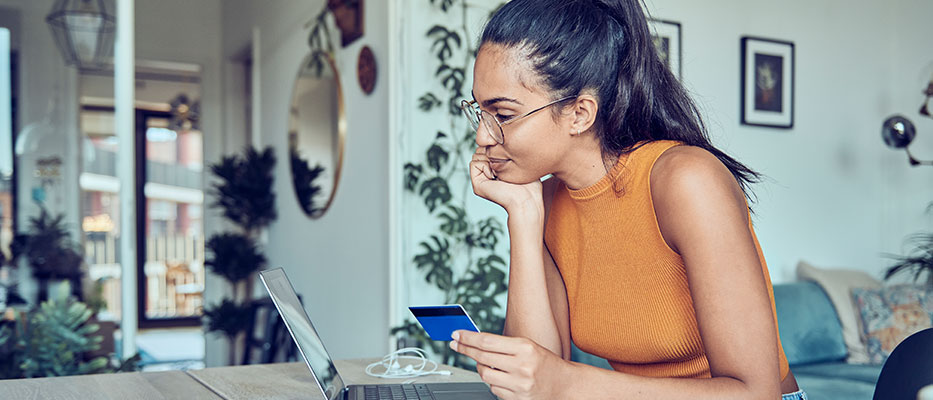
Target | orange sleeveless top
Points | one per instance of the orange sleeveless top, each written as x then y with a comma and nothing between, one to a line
627,290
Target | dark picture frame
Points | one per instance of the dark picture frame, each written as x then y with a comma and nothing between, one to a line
767,86
348,15
667,38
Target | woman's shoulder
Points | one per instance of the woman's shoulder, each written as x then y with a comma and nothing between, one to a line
692,173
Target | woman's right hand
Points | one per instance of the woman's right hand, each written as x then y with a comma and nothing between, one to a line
523,200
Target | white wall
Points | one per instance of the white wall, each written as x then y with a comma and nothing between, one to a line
338,263
835,195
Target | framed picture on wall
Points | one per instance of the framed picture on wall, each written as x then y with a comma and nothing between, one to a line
666,36
767,82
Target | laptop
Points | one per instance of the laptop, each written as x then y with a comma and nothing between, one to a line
322,366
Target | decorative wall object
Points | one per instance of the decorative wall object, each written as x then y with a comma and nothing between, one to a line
667,39
767,82
348,14
317,130
366,70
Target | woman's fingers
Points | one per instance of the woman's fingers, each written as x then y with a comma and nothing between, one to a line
481,164
492,343
494,378
499,361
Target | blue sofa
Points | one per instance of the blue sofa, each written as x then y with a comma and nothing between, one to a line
812,340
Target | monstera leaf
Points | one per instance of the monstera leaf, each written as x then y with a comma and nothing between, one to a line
428,102
435,259
435,192
445,42
437,157
455,221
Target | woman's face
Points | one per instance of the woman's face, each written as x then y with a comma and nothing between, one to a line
505,86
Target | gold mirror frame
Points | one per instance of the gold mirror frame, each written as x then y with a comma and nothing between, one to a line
328,62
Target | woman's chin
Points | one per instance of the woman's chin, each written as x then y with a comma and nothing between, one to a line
517,179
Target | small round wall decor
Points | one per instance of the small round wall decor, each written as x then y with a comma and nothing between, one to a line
366,70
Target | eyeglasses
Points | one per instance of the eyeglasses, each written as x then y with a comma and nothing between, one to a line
493,126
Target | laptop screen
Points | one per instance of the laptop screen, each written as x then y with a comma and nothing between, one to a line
299,325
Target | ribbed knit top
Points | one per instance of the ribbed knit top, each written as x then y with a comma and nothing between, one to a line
628,294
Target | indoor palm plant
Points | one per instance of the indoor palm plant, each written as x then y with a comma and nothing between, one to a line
919,260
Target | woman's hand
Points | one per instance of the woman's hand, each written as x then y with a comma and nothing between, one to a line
516,199
514,367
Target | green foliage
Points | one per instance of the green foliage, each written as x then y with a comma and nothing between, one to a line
234,256
428,102
48,248
460,257
245,195
95,300
245,188
228,317
51,341
444,4
305,188
919,260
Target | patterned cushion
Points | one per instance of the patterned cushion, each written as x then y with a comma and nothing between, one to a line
891,314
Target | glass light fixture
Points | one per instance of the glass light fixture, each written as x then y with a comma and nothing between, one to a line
897,132
83,31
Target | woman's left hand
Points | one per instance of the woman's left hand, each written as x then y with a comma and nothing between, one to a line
514,367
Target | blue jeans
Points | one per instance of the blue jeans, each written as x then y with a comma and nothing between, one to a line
798,395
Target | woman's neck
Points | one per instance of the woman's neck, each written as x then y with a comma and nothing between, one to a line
585,166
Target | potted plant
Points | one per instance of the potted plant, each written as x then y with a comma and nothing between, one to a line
58,338
51,254
244,193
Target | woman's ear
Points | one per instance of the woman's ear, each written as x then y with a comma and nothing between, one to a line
583,114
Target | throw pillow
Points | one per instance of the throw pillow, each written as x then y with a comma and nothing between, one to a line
891,314
838,285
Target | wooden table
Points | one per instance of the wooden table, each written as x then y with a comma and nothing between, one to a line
261,381
127,385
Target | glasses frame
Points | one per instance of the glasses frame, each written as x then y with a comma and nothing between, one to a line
466,105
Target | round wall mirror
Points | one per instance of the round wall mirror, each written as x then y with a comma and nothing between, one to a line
317,127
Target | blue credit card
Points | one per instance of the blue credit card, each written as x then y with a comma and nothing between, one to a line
441,321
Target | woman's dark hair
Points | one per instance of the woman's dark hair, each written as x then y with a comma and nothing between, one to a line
605,45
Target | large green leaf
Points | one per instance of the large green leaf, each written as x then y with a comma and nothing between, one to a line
445,41
436,260
412,176
435,192
487,234
437,157
455,222
428,101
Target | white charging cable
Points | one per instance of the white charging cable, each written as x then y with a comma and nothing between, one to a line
391,369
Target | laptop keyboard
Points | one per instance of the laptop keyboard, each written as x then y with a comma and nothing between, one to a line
397,392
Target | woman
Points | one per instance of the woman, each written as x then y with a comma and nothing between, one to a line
640,245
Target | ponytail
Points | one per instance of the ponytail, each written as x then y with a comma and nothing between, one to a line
606,46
